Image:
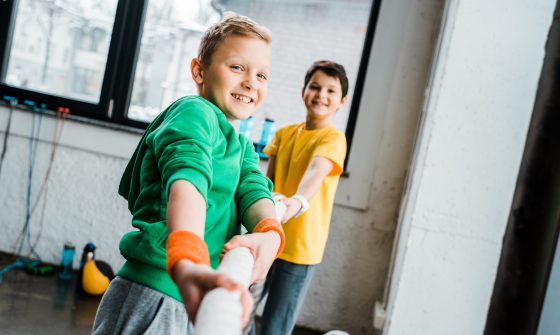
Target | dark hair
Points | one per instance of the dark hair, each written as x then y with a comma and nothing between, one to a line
331,69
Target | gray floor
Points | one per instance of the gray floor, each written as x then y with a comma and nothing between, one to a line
43,305
46,305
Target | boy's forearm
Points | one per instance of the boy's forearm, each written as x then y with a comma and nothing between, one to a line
186,217
186,208
261,218
259,210
271,169
317,171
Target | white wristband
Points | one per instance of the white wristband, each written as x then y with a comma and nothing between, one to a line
304,204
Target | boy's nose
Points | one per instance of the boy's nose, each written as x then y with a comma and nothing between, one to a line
250,83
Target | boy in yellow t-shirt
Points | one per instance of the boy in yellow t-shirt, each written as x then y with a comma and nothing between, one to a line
306,160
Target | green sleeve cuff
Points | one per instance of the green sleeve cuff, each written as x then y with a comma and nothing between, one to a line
199,181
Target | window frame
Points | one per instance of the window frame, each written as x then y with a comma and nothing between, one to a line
119,66
118,80
360,81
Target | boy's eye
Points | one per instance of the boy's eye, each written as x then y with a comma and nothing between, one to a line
236,67
262,76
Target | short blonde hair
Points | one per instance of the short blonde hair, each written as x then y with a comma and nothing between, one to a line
231,24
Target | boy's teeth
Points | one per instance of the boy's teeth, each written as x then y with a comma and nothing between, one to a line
242,98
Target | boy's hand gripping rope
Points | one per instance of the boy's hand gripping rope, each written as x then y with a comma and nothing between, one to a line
220,311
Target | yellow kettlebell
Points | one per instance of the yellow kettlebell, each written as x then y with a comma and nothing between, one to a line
96,275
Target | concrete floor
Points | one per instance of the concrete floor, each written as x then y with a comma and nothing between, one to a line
47,305
44,305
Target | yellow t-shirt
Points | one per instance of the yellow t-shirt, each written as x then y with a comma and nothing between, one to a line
294,148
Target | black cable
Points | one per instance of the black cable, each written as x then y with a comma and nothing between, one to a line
37,115
6,134
61,116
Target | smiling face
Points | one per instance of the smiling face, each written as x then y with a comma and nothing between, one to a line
322,97
236,79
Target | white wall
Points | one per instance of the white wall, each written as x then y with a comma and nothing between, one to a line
466,164
83,205
82,202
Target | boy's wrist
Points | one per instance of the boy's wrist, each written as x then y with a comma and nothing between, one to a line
304,204
272,225
185,245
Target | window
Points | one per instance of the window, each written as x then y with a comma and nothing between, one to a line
170,37
57,47
123,61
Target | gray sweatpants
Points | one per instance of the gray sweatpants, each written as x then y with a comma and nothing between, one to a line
130,308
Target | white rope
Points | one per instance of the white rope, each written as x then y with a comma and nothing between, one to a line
220,311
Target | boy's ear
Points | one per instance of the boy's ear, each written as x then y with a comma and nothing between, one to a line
343,101
196,71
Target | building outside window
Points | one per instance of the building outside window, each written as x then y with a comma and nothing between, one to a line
95,52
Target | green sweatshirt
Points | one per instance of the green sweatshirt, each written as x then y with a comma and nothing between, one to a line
190,140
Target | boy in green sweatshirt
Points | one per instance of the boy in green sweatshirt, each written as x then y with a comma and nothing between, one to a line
190,184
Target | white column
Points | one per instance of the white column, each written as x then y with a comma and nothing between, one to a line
465,165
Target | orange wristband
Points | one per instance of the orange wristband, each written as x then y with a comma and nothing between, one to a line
183,244
270,224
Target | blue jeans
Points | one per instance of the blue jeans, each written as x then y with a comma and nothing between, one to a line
286,285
